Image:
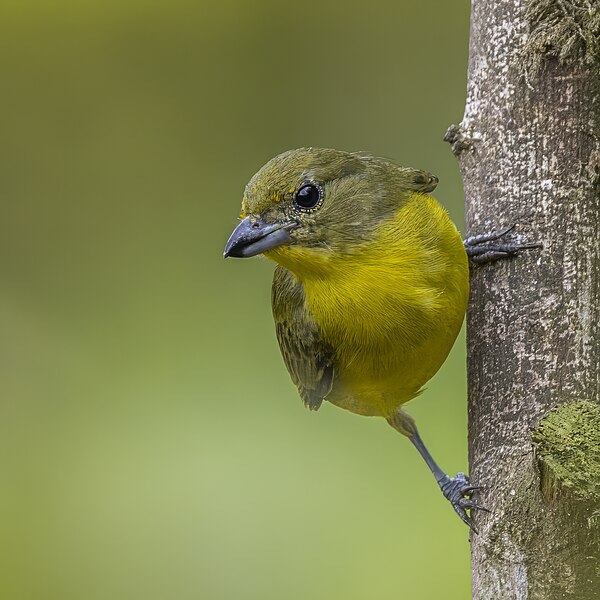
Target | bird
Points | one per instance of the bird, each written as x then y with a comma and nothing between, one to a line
371,284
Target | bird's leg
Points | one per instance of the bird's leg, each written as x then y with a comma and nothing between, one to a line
485,247
456,489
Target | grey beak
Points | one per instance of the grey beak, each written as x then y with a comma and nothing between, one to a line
250,238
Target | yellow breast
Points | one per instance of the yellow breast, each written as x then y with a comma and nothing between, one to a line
392,310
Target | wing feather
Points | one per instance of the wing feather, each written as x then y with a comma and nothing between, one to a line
307,358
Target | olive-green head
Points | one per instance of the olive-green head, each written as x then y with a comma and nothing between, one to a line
323,200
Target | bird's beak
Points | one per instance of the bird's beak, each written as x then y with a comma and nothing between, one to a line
250,238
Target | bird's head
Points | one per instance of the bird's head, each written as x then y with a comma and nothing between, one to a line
317,203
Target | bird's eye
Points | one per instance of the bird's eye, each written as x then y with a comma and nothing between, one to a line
308,196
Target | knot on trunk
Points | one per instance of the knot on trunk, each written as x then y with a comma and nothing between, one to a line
458,139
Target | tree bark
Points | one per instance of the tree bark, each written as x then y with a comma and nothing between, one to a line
529,151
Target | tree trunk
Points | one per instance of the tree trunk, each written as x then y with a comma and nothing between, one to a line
529,152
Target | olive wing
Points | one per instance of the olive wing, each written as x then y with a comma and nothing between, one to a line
307,358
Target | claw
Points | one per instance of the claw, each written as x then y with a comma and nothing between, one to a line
488,237
468,503
480,250
472,488
466,519
457,490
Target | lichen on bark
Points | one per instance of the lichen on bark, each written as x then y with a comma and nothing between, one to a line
567,442
568,30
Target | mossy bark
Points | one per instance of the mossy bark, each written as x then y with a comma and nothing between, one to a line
567,444
529,151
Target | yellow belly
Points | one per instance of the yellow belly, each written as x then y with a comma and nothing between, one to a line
392,311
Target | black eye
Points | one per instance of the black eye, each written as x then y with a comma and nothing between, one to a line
308,196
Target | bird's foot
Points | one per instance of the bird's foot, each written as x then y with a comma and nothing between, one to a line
486,248
458,491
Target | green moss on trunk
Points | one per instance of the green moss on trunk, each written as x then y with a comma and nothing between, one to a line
568,448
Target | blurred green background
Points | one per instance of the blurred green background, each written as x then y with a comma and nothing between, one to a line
152,443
